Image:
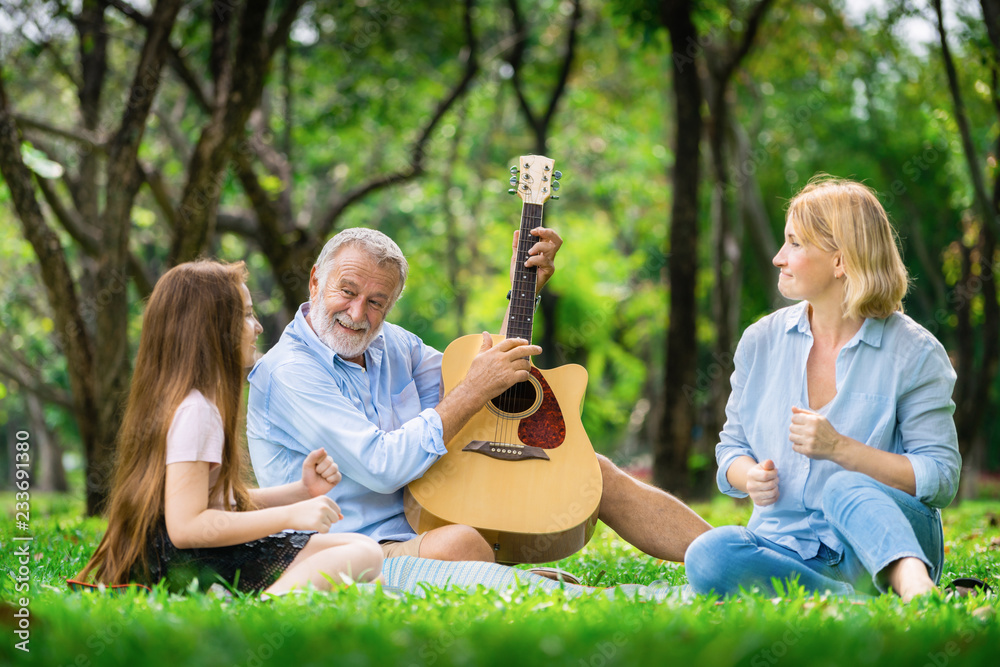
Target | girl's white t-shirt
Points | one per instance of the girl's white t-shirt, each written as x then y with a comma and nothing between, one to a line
196,434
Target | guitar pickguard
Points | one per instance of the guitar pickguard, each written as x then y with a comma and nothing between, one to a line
545,428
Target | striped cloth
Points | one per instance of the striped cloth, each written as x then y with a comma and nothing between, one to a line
414,575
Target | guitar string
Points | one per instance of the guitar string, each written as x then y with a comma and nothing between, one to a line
503,433
517,287
524,309
512,328
529,293
517,298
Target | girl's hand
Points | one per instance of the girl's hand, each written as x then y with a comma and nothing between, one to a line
762,483
317,513
813,436
319,473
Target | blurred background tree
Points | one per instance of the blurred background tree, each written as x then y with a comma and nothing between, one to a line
134,135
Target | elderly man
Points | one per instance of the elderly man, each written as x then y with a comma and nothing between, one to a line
369,392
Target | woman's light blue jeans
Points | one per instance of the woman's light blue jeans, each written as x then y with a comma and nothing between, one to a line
876,523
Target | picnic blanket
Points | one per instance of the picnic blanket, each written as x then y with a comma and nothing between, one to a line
414,575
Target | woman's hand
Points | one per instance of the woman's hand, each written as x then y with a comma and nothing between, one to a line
762,483
813,436
317,513
319,473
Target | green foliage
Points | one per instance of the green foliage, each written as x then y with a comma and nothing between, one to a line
482,627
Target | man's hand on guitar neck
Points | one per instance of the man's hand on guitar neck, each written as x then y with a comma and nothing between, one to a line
542,255
493,371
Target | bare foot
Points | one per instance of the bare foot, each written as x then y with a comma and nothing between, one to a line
909,578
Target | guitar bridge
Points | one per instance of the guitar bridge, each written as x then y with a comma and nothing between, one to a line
505,451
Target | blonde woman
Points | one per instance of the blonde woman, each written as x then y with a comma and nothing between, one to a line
179,507
839,426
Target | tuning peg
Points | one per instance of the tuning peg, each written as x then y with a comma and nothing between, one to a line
514,169
554,197
557,174
512,191
513,180
555,185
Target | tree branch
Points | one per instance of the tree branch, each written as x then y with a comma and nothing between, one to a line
177,62
61,66
418,152
140,277
56,276
87,237
268,229
81,137
24,374
217,141
239,224
961,118
991,15
93,50
124,147
154,179
220,60
567,65
729,65
279,36
517,59
178,142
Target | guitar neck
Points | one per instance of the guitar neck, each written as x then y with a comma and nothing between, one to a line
522,289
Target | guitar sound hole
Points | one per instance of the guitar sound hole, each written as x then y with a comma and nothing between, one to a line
519,398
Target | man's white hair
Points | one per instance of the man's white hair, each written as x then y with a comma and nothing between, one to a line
382,249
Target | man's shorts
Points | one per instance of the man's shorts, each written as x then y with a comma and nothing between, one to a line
393,549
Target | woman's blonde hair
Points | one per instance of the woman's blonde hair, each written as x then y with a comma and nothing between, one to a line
192,334
840,214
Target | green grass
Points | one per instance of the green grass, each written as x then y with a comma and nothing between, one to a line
350,627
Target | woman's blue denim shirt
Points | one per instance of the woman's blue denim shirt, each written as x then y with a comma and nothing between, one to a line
894,386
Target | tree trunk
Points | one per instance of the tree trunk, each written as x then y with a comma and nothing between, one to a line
49,472
97,359
721,64
670,466
239,85
972,392
60,289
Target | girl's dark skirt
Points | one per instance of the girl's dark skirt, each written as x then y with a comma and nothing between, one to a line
247,568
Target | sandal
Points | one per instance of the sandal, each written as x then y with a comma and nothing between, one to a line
85,587
555,574
966,586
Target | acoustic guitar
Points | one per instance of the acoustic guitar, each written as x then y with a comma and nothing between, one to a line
522,471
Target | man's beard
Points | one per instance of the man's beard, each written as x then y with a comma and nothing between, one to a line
348,346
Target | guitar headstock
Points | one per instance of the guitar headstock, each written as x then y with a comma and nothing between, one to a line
535,180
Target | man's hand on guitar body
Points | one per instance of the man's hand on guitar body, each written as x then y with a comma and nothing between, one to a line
499,367
493,370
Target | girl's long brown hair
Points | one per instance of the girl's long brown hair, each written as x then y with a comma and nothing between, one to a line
191,338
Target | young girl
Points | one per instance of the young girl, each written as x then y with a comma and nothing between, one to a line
179,472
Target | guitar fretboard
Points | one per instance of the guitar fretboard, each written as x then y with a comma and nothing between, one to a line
522,290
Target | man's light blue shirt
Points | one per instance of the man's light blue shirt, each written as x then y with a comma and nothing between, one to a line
378,422
894,386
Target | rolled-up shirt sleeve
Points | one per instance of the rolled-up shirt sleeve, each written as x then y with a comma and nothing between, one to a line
926,428
426,363
732,440
304,403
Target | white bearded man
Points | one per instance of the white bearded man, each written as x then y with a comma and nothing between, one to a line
369,392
